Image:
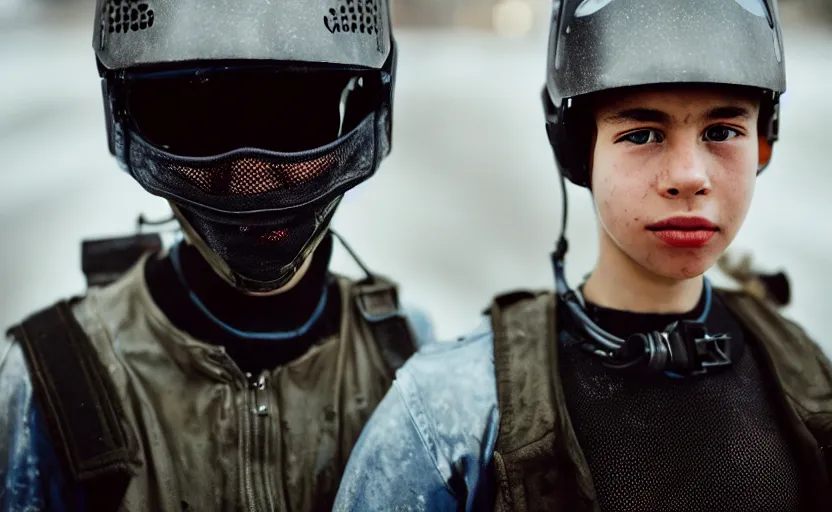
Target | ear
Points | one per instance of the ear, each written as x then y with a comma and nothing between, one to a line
768,129
764,152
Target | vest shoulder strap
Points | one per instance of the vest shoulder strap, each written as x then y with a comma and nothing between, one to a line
537,461
81,409
105,260
520,323
801,365
377,301
801,372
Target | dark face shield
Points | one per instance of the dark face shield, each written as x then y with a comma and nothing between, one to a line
210,112
255,160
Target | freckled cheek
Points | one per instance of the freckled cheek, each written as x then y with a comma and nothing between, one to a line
632,222
619,196
620,215
736,191
739,206
738,162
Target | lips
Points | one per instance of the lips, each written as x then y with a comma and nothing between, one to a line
683,223
685,232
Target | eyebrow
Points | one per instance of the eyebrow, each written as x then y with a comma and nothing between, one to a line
649,115
728,113
639,115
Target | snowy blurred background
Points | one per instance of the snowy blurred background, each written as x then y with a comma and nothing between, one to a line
467,204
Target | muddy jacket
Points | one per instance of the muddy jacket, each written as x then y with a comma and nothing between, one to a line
201,435
479,422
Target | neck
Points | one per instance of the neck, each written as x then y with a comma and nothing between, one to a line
210,310
618,282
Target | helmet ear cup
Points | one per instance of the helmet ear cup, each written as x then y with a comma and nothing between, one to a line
569,143
108,116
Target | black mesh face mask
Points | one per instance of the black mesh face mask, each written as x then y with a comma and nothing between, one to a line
257,258
254,161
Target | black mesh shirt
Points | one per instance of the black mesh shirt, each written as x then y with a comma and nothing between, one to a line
707,443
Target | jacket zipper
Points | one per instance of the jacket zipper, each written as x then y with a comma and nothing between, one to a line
257,411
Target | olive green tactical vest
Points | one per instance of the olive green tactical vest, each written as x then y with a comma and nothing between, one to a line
538,463
149,418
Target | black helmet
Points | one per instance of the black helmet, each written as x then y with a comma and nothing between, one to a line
598,45
252,118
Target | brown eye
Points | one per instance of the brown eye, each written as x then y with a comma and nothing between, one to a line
720,134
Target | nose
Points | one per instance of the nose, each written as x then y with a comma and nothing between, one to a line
686,173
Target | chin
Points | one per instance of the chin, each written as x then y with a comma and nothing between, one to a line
682,273
681,266
684,270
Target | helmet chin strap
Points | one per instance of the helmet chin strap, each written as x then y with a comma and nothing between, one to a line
683,348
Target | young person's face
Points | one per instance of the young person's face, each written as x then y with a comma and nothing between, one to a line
673,173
